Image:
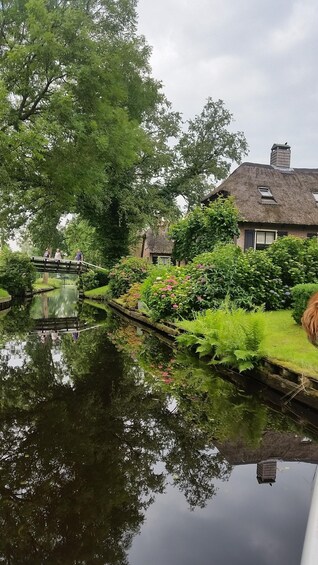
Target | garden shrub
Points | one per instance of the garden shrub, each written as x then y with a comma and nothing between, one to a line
288,253
247,279
94,278
261,282
232,336
88,280
127,271
204,227
131,297
311,259
214,276
300,295
17,274
168,295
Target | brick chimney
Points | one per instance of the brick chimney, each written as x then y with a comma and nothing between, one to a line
280,155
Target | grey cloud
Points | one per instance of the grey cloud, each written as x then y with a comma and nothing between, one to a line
259,57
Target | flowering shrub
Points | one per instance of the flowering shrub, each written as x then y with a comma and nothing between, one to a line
167,297
131,297
246,279
129,270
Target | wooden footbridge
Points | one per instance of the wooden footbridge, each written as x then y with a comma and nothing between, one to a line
45,265
68,324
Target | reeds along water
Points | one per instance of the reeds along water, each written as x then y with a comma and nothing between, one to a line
309,319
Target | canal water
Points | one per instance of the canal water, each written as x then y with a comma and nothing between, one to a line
118,449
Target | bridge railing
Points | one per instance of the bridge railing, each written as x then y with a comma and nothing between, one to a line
49,264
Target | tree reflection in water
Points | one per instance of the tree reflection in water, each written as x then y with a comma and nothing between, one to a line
84,425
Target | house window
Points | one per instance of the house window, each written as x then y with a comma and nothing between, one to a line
161,259
266,195
264,238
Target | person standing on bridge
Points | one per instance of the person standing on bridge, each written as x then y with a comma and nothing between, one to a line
58,255
79,255
47,253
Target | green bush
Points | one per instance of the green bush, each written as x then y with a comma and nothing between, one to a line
296,258
261,281
230,336
300,295
88,280
102,276
311,260
94,279
246,279
17,274
168,296
128,271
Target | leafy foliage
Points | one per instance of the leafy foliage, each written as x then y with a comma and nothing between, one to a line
297,259
300,294
232,337
128,271
83,124
131,297
203,228
17,274
247,279
168,295
205,151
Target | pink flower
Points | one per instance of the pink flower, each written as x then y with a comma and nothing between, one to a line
174,306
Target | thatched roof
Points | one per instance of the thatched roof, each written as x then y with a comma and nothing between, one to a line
158,243
292,190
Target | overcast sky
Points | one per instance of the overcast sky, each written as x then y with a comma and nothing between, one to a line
259,56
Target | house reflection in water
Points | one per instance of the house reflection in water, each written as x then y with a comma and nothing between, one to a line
273,447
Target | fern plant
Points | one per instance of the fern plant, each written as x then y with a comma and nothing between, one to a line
231,336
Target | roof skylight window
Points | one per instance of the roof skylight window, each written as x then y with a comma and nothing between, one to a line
315,195
266,194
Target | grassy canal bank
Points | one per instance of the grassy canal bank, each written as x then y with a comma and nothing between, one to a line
286,343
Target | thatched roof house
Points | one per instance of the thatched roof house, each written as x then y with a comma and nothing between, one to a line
155,246
273,199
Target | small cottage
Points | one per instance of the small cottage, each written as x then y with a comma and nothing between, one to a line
274,200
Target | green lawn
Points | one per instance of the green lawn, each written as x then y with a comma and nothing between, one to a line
100,293
4,293
52,282
287,343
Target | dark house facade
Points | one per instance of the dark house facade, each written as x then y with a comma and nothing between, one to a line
274,200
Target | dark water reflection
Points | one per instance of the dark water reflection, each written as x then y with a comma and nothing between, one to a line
117,449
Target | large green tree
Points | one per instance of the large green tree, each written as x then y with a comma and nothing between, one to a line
85,128
205,152
78,114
